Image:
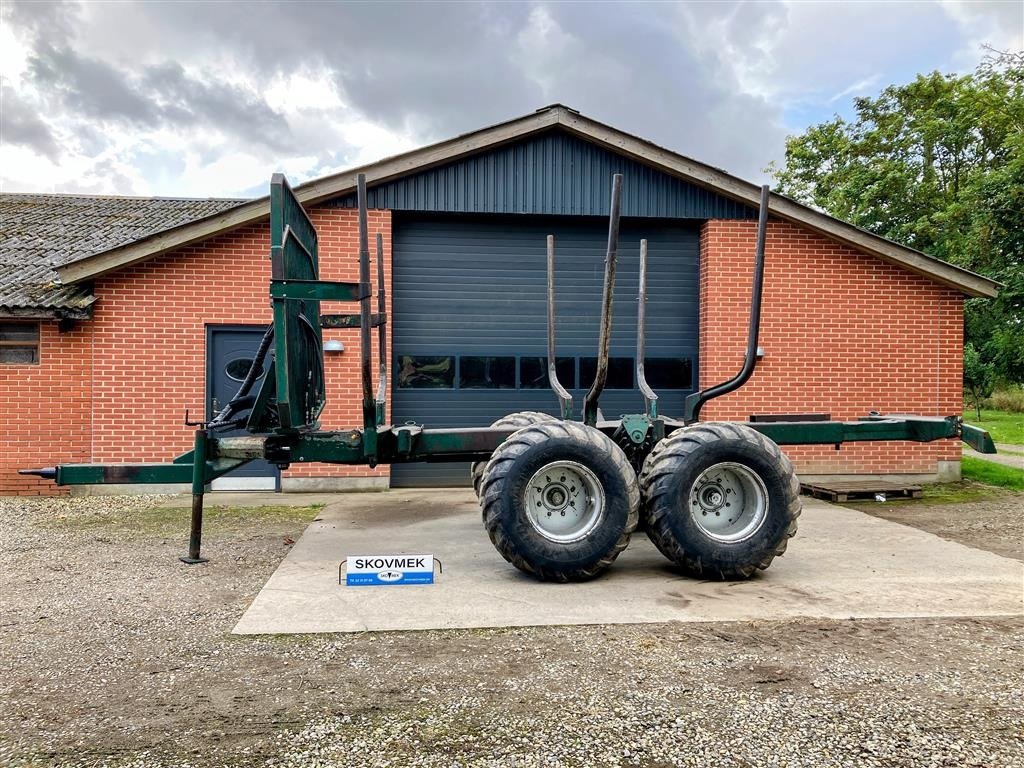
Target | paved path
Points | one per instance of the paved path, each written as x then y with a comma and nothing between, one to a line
842,564
1005,456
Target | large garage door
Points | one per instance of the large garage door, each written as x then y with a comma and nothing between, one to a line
470,320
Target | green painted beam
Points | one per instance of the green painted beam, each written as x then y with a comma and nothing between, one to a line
350,321
318,290
414,443
143,474
918,429
149,474
978,438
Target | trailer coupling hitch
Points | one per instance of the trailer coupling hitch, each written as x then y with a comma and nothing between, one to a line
47,473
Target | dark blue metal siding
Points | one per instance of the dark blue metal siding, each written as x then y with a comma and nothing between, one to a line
551,173
477,286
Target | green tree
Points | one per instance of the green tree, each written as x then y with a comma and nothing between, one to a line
979,378
936,164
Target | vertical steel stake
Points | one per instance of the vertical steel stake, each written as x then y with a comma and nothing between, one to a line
382,334
605,333
564,398
369,406
195,536
650,398
695,401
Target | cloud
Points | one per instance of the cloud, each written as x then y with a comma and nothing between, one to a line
54,19
20,125
998,23
235,110
90,88
170,100
640,73
856,89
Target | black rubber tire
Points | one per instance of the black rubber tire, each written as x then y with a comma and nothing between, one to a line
669,473
503,500
518,420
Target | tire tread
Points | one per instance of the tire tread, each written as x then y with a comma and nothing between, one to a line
675,450
495,477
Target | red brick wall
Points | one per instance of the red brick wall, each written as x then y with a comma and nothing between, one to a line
843,333
44,409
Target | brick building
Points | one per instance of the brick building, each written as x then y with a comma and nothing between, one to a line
117,314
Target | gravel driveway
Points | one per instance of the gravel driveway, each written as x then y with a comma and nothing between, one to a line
112,653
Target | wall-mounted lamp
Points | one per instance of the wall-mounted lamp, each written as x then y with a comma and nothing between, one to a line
333,345
759,353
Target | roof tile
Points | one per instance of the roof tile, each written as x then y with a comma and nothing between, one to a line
39,232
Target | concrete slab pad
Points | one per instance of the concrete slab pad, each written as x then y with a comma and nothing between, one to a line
842,564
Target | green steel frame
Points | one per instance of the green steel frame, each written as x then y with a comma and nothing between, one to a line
282,416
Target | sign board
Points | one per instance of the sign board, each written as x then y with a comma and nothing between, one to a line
388,570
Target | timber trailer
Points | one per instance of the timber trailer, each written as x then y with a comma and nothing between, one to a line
559,497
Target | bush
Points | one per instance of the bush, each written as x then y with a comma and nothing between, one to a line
1009,399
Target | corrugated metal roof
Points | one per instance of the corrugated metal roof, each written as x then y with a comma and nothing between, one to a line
39,232
550,173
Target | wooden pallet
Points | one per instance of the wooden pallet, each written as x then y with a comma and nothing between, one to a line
850,490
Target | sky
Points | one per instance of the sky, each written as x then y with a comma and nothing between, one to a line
184,99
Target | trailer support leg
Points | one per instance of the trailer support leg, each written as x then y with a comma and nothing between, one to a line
195,535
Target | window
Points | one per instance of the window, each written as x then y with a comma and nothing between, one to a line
533,372
19,343
238,369
487,372
668,373
426,372
620,372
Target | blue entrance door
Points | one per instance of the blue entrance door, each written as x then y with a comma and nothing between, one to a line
229,355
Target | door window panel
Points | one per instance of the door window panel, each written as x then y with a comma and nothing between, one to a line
668,372
533,372
487,372
238,369
426,372
620,372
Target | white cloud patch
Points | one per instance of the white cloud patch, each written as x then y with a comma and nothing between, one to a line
997,24
157,98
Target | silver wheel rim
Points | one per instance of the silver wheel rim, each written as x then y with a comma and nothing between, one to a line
564,501
729,502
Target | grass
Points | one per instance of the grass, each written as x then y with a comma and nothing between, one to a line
169,521
990,473
954,493
1004,426
964,491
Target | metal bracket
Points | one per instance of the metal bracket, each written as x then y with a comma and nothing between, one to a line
636,427
405,439
200,424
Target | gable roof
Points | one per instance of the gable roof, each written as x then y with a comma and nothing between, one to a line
39,233
554,116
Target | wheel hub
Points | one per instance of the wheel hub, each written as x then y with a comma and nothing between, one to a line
729,502
564,501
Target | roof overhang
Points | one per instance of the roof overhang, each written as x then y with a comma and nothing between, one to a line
45,313
328,187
